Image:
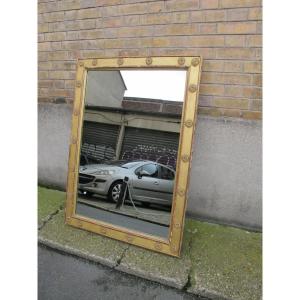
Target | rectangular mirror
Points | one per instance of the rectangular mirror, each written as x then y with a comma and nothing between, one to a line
130,151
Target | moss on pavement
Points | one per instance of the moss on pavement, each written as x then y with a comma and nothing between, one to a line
158,267
49,202
226,261
219,262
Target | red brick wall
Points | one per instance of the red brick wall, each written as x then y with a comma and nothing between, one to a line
227,33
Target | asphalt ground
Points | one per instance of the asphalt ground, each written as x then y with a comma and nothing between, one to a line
64,277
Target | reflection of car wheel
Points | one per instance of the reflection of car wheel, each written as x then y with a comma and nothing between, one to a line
114,191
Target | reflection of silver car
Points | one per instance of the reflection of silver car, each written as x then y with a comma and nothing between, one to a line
149,182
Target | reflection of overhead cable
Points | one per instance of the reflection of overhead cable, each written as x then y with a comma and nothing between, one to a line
131,119
105,117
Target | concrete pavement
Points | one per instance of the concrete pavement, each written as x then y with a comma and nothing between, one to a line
217,262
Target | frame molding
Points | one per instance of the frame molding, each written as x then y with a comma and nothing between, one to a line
172,245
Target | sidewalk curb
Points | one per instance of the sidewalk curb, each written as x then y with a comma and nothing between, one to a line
76,252
217,262
117,266
97,259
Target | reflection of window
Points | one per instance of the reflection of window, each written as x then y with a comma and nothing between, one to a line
150,170
166,173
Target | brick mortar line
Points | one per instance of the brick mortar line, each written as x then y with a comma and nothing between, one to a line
201,83
217,72
152,25
164,47
205,60
63,70
120,4
160,36
125,49
230,108
216,96
190,22
135,38
147,1
224,84
136,14
206,35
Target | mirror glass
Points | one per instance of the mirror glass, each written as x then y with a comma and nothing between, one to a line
129,145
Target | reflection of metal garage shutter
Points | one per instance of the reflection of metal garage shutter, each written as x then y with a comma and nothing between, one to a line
99,140
155,145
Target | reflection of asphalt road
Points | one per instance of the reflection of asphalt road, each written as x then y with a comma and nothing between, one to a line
128,222
158,216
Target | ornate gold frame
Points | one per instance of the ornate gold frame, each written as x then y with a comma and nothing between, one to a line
172,245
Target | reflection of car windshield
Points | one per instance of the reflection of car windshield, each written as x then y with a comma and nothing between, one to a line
122,163
129,165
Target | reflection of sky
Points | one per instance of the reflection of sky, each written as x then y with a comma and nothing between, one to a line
158,84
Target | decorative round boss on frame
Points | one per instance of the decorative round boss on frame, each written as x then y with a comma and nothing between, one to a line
195,62
193,88
188,123
181,61
148,61
185,158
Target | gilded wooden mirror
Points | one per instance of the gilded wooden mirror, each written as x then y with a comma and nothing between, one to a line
131,148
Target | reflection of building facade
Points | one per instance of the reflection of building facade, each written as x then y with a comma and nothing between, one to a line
105,89
140,129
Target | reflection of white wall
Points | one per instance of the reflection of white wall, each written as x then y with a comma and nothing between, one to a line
104,88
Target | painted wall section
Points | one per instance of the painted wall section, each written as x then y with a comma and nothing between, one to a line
226,173
225,183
